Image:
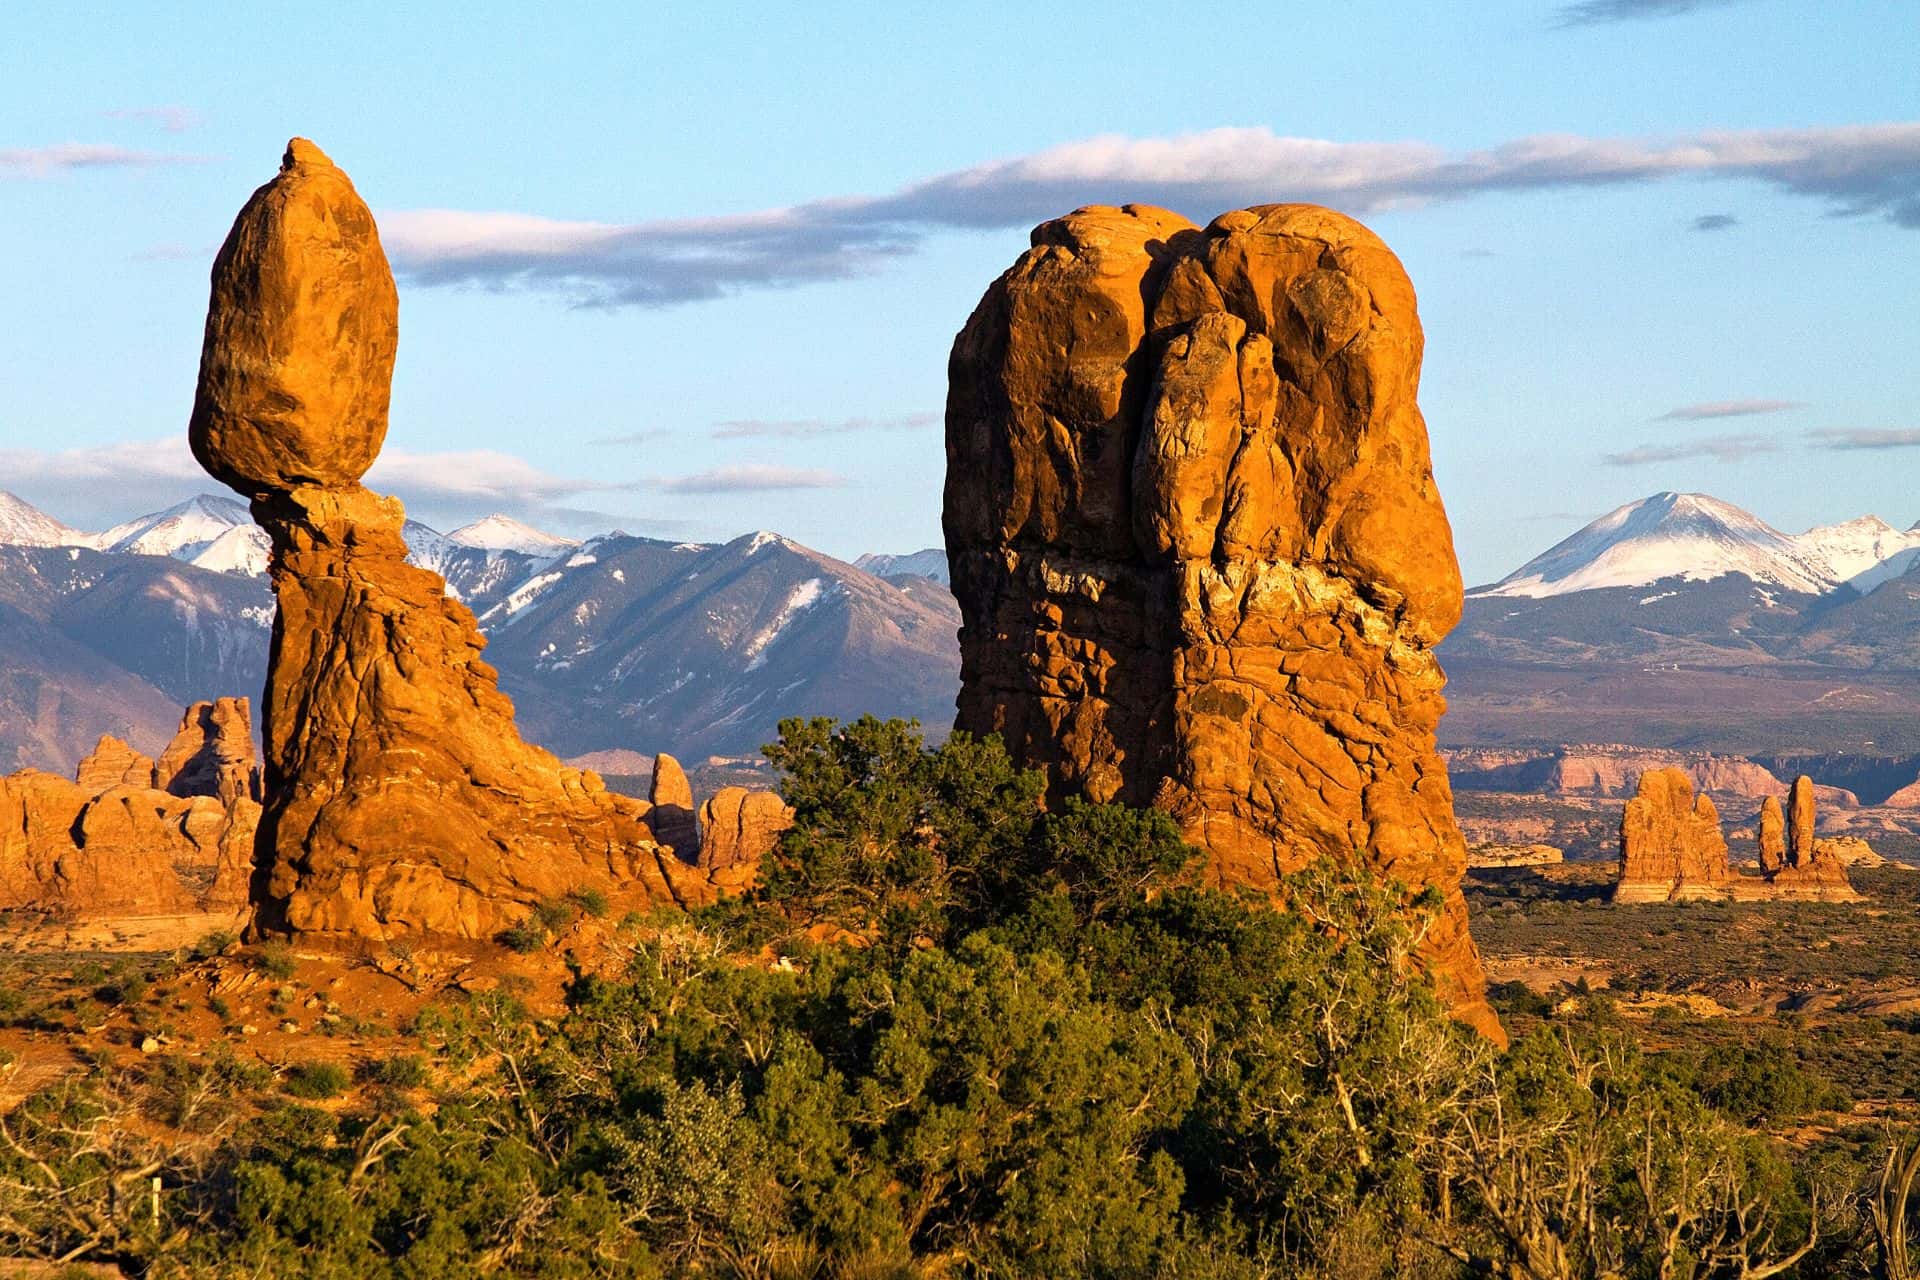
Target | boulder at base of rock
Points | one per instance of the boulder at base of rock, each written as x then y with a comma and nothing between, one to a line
672,817
739,828
1199,553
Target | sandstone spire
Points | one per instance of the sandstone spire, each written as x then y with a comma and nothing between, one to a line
1800,822
1199,553
399,798
1772,835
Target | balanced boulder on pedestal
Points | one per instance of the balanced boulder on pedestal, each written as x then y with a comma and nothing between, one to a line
1199,553
399,798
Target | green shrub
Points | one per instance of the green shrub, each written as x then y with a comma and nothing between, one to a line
276,960
316,1080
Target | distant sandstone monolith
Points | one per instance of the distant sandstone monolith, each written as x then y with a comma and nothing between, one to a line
1199,553
1812,868
399,798
1772,835
1671,846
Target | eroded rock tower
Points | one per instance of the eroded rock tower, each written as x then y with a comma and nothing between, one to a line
1198,549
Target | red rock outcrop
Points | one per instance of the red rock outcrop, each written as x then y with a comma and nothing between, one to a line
1813,868
113,764
672,818
1771,836
212,754
399,797
110,844
1670,842
1198,549
738,828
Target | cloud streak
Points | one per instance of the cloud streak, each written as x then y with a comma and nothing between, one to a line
65,157
170,119
1848,439
1726,448
1854,170
752,478
812,428
100,485
1711,409
1593,13
1715,222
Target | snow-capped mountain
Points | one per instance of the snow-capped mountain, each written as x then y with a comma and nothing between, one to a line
182,531
930,563
1693,537
24,525
244,549
617,643
504,533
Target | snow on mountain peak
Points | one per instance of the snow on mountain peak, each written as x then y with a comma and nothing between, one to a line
1692,536
183,530
499,532
24,525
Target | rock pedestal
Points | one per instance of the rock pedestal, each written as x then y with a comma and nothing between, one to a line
1199,553
399,798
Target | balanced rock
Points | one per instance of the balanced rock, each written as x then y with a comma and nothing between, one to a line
1671,846
113,764
399,797
672,818
738,828
1772,835
1199,553
212,754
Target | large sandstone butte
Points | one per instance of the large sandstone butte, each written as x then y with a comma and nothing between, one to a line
399,798
1199,554
1671,847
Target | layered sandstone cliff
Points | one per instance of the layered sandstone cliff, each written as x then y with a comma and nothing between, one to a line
399,797
1199,553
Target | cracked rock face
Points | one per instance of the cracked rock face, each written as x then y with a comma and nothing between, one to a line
399,797
1199,553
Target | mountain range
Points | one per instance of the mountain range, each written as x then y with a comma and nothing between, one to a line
1682,621
615,644
1679,621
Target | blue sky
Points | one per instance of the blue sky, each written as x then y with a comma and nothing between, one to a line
694,269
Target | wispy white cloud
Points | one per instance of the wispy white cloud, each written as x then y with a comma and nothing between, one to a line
1855,170
1851,438
752,478
1591,13
171,119
784,428
64,157
100,485
1711,409
808,428
1727,448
